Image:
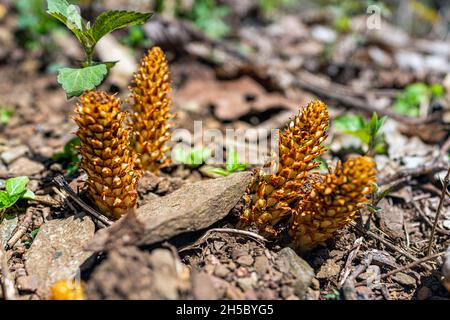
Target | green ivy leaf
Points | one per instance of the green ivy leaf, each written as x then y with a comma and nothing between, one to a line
76,81
28,195
113,20
17,185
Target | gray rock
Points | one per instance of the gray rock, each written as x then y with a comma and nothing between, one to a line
192,207
262,265
404,279
14,153
328,270
221,271
25,167
288,260
245,284
27,283
203,287
57,251
246,260
6,230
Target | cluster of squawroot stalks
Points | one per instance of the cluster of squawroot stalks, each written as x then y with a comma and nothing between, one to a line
116,151
312,206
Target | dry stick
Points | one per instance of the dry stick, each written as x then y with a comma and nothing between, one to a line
7,281
62,183
425,218
435,166
203,238
412,264
386,243
351,256
352,101
21,229
438,212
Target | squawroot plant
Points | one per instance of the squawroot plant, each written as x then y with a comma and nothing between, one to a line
106,156
151,111
299,145
310,205
333,202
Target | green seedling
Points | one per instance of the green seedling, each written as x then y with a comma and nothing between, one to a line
368,132
232,165
15,189
208,16
136,38
335,295
33,23
414,96
193,158
69,156
90,74
5,115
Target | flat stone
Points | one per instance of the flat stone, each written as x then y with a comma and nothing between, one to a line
245,284
13,154
6,230
57,251
288,260
328,270
221,271
25,167
404,279
246,260
262,265
27,283
192,207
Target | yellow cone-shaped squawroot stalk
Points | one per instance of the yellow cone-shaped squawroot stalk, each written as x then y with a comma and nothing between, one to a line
106,156
300,143
151,115
333,202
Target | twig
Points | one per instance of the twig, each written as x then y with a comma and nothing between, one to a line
203,238
21,229
438,212
349,284
7,281
385,242
412,264
427,221
46,200
62,183
351,256
413,172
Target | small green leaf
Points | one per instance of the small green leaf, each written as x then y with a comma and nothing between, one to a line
17,185
4,199
113,20
28,195
69,15
348,123
34,233
76,81
220,171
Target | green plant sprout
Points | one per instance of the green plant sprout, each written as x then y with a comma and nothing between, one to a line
6,114
232,165
208,16
368,132
69,156
193,158
91,74
15,189
136,38
408,102
33,23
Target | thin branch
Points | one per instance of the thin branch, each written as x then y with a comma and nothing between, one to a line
203,238
62,183
7,281
412,264
438,212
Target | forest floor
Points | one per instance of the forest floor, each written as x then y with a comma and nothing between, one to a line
258,78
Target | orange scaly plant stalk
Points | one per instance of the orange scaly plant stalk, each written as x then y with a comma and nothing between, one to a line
299,145
106,157
151,115
333,202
